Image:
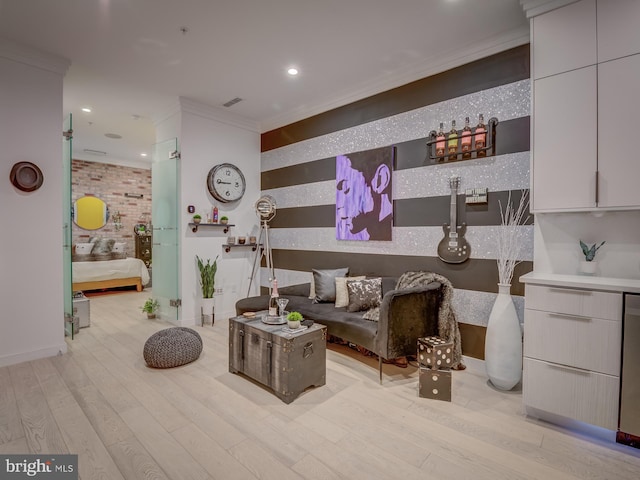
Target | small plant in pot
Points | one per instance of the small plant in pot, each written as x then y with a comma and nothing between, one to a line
207,283
294,319
197,218
224,220
589,265
150,307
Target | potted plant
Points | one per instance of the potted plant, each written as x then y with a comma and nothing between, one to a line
207,283
150,307
589,266
224,220
197,218
293,320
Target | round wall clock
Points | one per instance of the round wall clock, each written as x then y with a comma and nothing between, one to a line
226,182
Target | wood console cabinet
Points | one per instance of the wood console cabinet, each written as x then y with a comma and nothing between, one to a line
572,344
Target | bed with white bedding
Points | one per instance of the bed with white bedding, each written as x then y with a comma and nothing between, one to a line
101,274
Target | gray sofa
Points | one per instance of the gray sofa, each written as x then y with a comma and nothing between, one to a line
405,316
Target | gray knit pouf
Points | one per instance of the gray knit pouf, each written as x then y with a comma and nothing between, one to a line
172,347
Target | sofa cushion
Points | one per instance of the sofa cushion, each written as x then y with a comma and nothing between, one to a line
339,322
342,294
325,283
364,294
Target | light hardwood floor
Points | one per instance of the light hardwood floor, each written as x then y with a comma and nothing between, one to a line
199,421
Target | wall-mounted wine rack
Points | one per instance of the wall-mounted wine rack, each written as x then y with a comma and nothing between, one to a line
488,150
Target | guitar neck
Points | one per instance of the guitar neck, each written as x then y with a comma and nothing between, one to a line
454,208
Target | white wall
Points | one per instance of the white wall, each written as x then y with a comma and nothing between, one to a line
31,294
557,235
207,137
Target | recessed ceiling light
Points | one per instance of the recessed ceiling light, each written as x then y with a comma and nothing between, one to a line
86,109
143,154
292,71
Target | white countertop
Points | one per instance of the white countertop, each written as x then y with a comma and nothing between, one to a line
627,285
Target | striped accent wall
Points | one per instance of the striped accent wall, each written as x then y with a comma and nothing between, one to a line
298,170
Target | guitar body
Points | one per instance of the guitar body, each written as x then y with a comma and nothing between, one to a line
454,251
454,248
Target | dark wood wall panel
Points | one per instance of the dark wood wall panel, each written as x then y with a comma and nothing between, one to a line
473,340
474,274
511,136
505,67
410,212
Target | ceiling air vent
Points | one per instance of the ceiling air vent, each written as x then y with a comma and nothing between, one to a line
94,152
232,102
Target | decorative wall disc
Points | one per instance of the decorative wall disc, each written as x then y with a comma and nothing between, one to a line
26,176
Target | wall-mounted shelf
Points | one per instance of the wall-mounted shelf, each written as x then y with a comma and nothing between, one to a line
195,226
228,246
488,150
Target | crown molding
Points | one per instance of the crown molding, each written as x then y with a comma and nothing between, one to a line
164,113
33,57
188,105
511,39
533,8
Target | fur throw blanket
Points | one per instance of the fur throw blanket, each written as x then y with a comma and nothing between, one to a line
448,328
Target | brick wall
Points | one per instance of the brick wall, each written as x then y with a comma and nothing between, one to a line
110,183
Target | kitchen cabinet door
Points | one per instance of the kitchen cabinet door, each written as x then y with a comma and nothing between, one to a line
618,107
565,141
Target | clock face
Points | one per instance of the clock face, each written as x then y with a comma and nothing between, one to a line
226,182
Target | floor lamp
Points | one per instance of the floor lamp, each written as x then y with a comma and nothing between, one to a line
266,210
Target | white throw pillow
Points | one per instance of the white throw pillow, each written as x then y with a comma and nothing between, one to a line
312,290
119,247
342,293
84,248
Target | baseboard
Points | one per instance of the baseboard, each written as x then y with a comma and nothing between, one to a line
33,355
575,426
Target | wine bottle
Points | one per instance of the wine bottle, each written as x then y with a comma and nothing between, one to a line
440,142
452,144
465,141
481,137
273,300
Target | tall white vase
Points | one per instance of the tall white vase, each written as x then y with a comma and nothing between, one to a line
503,342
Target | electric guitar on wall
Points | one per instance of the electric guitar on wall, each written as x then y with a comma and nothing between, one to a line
454,248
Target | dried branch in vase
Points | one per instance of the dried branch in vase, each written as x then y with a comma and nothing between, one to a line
510,248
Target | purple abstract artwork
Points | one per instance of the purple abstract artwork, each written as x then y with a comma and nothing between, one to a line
364,206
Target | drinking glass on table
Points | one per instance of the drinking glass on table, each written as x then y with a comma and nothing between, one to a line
282,303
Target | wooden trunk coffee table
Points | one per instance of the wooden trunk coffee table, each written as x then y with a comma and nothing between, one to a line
286,363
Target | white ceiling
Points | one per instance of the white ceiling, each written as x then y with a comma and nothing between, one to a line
131,58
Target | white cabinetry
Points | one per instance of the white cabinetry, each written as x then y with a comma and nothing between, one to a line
618,32
585,106
572,344
618,109
565,141
564,39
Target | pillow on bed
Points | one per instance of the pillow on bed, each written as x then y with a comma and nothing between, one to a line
103,246
84,248
119,247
